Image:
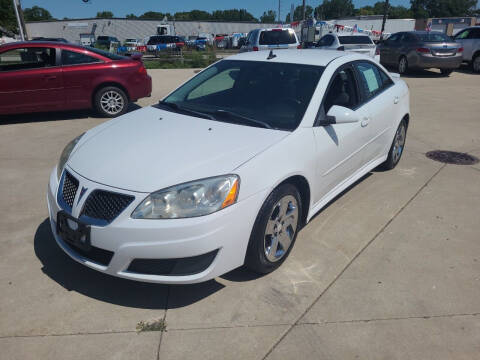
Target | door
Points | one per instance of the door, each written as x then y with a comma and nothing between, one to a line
467,38
378,103
339,146
79,72
30,80
389,49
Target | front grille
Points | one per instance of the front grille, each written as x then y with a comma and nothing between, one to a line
173,267
105,206
70,187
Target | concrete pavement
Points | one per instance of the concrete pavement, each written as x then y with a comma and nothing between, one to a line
389,270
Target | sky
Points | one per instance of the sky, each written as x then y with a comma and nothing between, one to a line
78,9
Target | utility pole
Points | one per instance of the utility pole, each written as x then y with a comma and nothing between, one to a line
18,9
279,18
385,12
303,10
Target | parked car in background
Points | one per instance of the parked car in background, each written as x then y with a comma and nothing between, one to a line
358,43
469,39
50,76
50,39
268,39
265,145
106,41
157,43
87,39
131,44
421,50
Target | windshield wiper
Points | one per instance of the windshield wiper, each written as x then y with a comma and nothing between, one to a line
181,109
244,118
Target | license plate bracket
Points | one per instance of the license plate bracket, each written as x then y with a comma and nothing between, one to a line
78,237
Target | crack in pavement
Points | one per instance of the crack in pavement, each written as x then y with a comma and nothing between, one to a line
164,321
351,262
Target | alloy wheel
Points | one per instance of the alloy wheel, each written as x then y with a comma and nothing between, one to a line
281,228
402,65
399,143
112,102
476,64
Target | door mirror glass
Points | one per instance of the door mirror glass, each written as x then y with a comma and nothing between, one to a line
341,115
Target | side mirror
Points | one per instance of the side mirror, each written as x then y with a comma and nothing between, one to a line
341,115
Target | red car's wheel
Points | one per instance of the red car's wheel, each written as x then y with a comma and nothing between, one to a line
111,101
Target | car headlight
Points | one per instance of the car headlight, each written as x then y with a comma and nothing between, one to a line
66,154
195,198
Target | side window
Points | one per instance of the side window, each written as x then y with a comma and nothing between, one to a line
394,38
27,58
217,83
75,58
372,79
475,33
463,34
342,91
326,40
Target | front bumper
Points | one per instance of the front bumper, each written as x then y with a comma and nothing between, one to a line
425,61
225,232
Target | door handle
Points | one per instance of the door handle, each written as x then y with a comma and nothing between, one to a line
365,121
395,100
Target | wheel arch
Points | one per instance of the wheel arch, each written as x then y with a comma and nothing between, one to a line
105,84
303,187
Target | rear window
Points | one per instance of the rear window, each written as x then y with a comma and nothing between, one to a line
106,54
433,37
102,38
275,37
354,40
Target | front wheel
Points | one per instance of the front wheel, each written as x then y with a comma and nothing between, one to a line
476,64
397,147
111,101
446,72
402,65
275,230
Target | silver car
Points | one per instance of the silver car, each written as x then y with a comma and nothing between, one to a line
270,39
470,40
421,50
358,43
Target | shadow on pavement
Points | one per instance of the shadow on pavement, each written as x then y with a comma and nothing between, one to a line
75,277
54,116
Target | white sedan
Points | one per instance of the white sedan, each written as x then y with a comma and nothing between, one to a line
228,167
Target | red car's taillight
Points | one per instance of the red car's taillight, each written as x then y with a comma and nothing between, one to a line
423,50
255,48
299,46
142,70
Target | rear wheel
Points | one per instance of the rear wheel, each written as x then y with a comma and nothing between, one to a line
396,149
275,230
402,65
446,72
476,63
111,101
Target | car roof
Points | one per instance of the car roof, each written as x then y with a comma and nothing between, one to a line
351,34
297,56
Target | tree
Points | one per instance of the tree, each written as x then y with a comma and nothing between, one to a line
131,16
298,13
36,13
105,14
7,16
233,15
335,9
442,8
394,12
154,15
268,16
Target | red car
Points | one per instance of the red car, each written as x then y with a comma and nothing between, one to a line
51,76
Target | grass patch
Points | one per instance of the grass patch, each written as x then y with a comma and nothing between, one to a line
195,59
157,325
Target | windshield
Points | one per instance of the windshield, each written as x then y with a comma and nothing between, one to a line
274,37
433,37
107,54
354,40
253,93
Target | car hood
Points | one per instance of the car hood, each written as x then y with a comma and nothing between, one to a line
150,149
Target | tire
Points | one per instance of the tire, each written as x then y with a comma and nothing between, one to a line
402,66
397,147
271,239
111,101
476,64
446,72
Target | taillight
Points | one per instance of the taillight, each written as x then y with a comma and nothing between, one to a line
377,51
423,50
255,48
142,70
460,49
299,46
